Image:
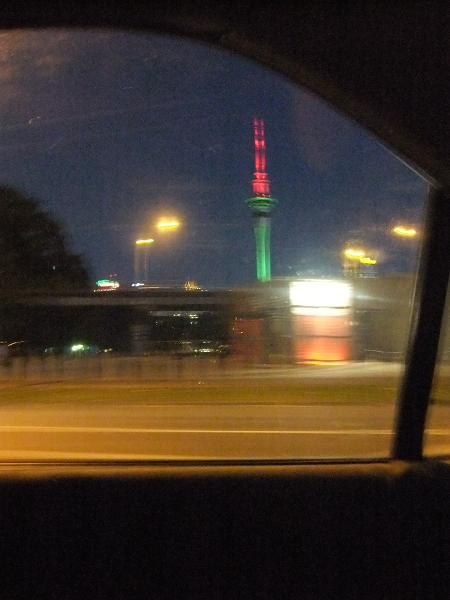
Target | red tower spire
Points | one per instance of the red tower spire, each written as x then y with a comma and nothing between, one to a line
261,182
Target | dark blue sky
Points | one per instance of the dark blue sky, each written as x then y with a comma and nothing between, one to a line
111,130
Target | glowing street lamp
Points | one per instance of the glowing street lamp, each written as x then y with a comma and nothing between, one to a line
144,242
164,224
354,253
354,257
402,231
168,224
366,260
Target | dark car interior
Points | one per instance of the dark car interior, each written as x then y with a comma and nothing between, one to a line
269,529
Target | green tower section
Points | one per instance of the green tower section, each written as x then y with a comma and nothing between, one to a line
261,208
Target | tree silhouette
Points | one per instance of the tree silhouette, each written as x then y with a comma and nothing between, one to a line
33,249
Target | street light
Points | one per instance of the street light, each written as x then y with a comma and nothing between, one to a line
144,243
402,231
163,224
168,224
354,257
366,260
354,253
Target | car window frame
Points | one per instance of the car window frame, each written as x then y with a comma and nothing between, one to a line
434,263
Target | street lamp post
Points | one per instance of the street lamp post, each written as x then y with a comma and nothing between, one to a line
354,257
407,237
141,247
141,250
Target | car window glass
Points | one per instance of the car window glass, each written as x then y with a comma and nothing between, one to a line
199,260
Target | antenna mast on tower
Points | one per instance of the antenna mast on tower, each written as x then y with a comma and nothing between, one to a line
261,182
261,204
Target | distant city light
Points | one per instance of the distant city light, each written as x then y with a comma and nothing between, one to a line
14,343
144,242
168,223
107,284
138,284
77,347
402,231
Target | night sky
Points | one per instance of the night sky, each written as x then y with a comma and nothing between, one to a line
109,131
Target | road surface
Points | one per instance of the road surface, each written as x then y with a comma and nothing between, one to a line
179,432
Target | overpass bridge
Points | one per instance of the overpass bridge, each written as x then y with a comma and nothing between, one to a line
258,317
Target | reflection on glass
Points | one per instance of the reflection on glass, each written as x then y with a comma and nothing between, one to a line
198,259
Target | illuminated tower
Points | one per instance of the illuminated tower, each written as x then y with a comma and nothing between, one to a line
261,204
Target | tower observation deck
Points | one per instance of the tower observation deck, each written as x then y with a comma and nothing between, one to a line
261,204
